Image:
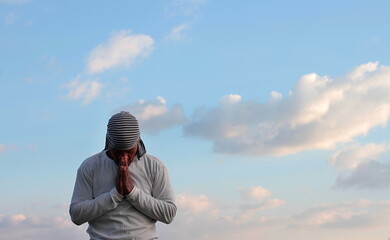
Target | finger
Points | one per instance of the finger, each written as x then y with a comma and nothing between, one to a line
124,159
125,175
123,170
120,186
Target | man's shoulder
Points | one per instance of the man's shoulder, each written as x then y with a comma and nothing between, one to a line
153,161
92,160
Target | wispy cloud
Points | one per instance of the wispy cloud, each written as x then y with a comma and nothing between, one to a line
13,147
84,90
190,9
122,49
177,33
154,115
319,113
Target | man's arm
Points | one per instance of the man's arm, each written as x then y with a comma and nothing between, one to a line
84,207
160,205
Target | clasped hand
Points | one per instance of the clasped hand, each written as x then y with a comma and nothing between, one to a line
124,182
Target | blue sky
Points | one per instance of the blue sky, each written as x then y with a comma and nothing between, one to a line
272,116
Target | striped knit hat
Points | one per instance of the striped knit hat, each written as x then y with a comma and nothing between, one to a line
122,131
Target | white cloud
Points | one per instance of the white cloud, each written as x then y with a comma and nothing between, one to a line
2,148
154,115
85,90
12,219
319,113
254,193
230,99
350,157
361,167
360,71
369,175
193,203
276,95
122,49
257,199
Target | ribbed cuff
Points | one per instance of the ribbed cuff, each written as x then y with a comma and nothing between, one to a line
116,196
133,195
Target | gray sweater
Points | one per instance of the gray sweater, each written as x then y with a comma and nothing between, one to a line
110,215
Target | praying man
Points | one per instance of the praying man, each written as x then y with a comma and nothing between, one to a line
122,191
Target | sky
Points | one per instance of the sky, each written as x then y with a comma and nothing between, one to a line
271,116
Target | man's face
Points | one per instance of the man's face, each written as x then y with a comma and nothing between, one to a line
120,156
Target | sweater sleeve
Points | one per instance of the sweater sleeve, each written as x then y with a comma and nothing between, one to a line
84,207
160,205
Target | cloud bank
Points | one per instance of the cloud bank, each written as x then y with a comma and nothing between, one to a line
21,226
358,214
200,217
319,113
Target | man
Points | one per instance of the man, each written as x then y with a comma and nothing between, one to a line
122,191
